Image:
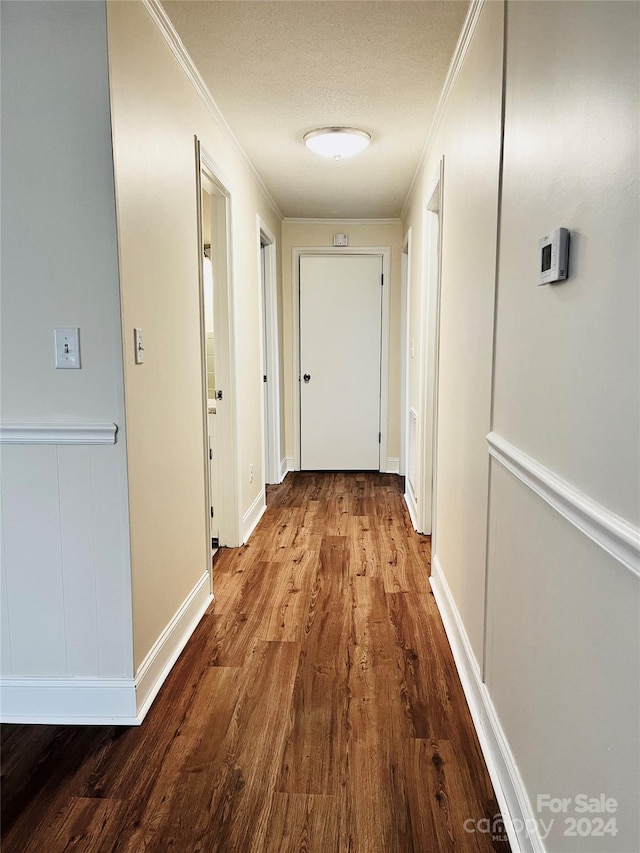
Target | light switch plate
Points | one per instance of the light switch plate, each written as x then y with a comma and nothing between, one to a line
138,347
67,348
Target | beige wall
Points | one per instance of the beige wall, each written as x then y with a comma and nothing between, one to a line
562,655
469,140
299,234
156,113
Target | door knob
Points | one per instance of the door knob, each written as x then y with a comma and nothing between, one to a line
307,377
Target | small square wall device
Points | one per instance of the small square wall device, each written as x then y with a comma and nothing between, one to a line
340,240
554,256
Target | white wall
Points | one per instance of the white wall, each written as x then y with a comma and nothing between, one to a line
66,596
298,233
156,114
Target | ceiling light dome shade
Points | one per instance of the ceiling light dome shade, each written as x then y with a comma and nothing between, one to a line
337,142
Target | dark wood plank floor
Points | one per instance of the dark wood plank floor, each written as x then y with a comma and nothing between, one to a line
316,708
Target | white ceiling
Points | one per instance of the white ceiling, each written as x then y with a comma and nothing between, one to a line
278,69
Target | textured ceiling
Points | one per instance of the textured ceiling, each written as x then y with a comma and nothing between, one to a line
278,69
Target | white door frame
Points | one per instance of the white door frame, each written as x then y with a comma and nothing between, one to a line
385,253
404,351
272,466
432,275
225,350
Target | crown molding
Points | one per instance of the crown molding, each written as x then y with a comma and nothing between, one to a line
176,45
457,60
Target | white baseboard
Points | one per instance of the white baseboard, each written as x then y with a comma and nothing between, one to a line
290,464
393,465
166,650
284,469
411,506
252,516
518,817
69,701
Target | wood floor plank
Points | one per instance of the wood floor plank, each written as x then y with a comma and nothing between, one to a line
302,823
182,783
293,587
311,762
235,816
87,825
316,707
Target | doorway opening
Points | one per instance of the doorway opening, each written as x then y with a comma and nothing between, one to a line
218,369
273,463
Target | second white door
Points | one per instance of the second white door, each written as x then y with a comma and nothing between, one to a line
340,358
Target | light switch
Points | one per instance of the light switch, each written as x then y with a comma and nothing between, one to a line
138,347
67,344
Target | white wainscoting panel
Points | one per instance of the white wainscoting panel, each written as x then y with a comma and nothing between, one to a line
66,598
5,633
77,552
112,562
33,551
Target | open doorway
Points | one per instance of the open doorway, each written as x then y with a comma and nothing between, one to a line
214,246
273,463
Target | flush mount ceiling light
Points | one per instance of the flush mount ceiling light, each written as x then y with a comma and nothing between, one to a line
337,142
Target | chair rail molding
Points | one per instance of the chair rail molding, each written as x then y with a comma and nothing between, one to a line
58,433
615,535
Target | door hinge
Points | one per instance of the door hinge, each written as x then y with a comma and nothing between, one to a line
211,512
381,279
218,395
379,438
210,453
264,378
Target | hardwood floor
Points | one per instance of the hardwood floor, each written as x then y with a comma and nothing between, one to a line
315,708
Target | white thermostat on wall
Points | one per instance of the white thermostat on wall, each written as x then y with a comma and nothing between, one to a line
554,256
340,240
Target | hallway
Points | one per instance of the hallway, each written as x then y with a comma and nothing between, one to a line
315,708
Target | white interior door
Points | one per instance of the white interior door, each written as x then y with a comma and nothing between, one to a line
340,359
